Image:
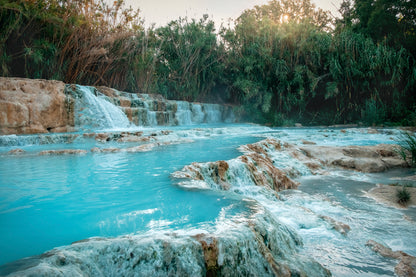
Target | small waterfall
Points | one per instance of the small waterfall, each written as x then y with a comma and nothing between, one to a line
213,113
37,139
197,113
183,113
194,113
151,118
93,111
115,110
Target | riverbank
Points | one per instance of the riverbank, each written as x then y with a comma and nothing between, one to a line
387,195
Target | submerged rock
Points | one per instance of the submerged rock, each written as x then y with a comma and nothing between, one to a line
63,152
340,227
139,148
407,263
308,142
16,151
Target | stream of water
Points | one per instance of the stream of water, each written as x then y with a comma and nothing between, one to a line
49,201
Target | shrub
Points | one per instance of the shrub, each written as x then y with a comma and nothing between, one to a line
403,195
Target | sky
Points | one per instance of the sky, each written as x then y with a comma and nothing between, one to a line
161,12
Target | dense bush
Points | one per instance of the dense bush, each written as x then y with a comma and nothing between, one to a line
403,195
283,62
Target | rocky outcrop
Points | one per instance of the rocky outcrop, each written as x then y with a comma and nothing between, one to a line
368,159
407,263
210,249
256,245
255,167
338,226
262,162
34,106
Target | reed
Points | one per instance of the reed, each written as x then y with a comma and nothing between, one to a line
407,150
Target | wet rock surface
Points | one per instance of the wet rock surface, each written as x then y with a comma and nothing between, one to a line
63,152
256,246
366,159
30,106
407,263
256,163
16,151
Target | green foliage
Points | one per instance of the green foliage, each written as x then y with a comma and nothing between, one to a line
72,40
373,113
403,195
407,143
190,58
282,62
389,21
277,55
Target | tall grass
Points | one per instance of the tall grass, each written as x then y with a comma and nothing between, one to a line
407,150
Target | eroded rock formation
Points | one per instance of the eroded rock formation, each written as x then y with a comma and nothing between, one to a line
259,245
376,158
255,167
407,263
34,106
367,159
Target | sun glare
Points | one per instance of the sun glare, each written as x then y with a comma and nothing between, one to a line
284,18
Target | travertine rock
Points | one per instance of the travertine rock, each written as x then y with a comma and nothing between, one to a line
34,106
407,263
376,158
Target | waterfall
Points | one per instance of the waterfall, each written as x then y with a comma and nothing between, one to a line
194,113
183,113
93,111
198,115
115,110
213,113
151,118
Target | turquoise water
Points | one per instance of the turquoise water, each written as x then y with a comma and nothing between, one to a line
55,200
48,201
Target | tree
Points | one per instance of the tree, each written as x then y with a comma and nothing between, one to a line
385,21
276,58
190,60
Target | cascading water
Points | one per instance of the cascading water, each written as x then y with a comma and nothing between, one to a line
183,113
93,111
212,113
118,200
198,115
194,113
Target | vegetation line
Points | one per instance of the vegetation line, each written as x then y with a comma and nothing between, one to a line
283,62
